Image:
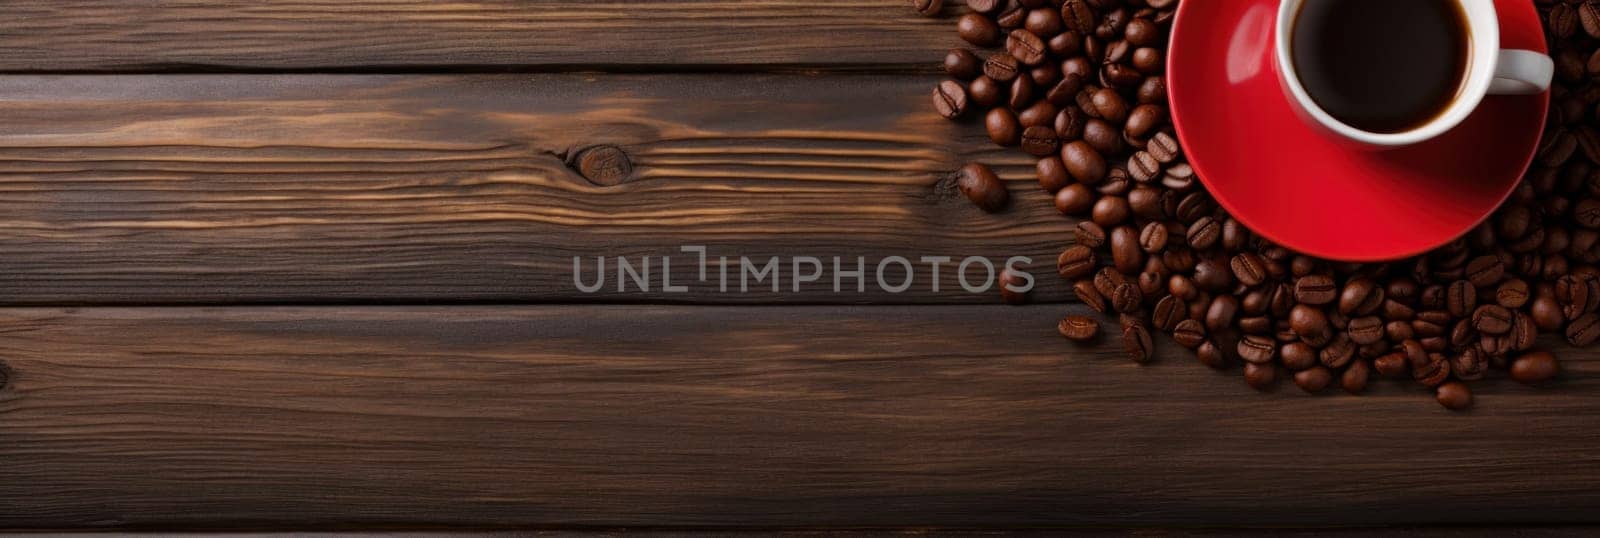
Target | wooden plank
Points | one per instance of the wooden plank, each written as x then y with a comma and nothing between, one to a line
123,36
752,416
238,188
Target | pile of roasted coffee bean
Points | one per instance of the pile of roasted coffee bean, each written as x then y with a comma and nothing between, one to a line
1079,84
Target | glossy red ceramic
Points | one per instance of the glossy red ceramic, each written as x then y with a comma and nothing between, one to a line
1303,190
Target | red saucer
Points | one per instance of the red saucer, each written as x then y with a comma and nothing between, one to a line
1303,190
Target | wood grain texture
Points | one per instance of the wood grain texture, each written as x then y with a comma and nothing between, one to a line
237,188
661,415
144,35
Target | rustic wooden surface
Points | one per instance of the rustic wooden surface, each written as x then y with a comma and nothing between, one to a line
315,188
238,300
657,415
396,35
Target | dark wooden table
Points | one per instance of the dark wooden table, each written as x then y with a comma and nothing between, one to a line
308,264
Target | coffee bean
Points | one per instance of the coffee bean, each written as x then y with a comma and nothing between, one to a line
1311,324
1360,297
1089,234
1260,325
1260,376
1126,298
1142,33
1213,276
1009,281
1152,91
1315,290
1001,67
985,91
1462,334
1297,356
1045,75
1491,319
1148,60
1589,18
1588,143
1039,141
1052,174
1002,127
1512,294
1153,238
1468,365
1485,270
1396,331
1454,396
1339,352
950,99
1461,298
1258,349
1143,167
1011,17
1110,211
1562,21
1043,22
1110,105
1547,313
1022,97
1354,380
1183,287
1103,137
1074,199
1249,268
1393,364
1079,328
1180,177
1193,206
1090,296
1578,293
927,8
1164,147
1494,345
1587,213
1144,120
1120,76
1402,290
1535,368
1076,262
1584,331
1041,114
1524,333
980,184
1078,16
1204,233
1126,255
1556,148
962,64
1168,313
1313,380
1189,333
1026,48
1432,370
1084,163
986,6
1136,340
1221,313
978,30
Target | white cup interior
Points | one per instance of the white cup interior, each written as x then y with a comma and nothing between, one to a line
1483,49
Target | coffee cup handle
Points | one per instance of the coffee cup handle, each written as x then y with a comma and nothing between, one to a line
1522,72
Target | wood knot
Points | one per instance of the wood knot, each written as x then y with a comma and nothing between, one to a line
5,376
604,165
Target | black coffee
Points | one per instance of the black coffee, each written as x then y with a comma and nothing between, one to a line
1383,66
